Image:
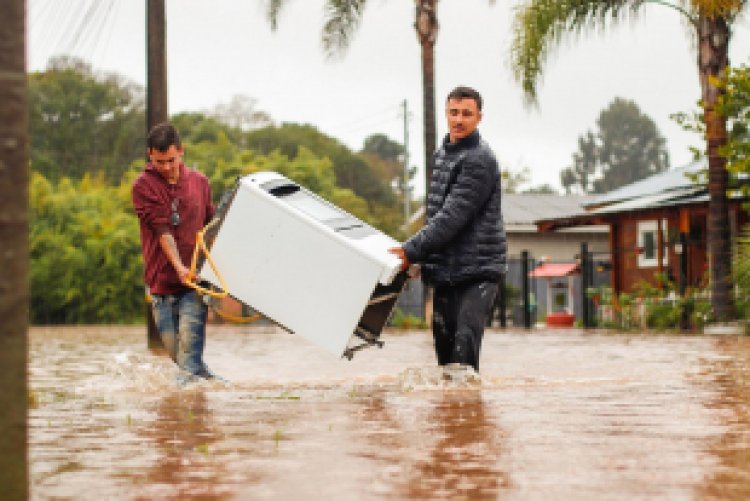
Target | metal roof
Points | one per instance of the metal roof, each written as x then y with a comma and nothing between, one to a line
675,196
521,210
526,208
673,179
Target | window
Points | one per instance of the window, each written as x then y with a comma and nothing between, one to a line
558,294
648,243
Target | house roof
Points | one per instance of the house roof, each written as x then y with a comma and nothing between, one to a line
677,196
552,270
665,189
673,179
521,210
525,208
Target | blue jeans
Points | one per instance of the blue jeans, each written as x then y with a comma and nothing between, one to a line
181,320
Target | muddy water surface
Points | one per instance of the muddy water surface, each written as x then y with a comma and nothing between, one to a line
556,415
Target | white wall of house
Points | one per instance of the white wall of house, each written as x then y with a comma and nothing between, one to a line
561,246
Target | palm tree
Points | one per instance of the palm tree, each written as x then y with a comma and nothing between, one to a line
540,25
342,19
14,257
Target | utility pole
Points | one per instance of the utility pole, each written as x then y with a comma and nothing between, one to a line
14,258
426,26
407,188
156,57
156,105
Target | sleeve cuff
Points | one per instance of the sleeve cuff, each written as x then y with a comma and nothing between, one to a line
411,252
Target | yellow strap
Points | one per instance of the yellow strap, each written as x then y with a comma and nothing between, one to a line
234,318
200,245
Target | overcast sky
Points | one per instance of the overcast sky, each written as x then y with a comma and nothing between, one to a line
221,48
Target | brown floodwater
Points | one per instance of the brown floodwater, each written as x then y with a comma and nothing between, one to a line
556,415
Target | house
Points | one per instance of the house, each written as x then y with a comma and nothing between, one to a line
555,282
656,226
521,211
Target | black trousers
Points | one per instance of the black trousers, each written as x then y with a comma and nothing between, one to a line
458,318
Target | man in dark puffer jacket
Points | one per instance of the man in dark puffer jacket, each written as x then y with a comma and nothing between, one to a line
462,246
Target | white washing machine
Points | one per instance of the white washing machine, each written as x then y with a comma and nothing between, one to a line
304,263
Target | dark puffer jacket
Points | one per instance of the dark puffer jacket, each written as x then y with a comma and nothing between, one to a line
463,238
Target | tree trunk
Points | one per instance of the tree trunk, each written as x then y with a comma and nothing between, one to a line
426,25
14,296
713,58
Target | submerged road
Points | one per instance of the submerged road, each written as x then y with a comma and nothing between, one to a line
556,415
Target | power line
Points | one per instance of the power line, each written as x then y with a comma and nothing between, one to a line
75,35
113,14
72,27
359,120
99,26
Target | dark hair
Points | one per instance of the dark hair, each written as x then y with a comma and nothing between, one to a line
462,92
162,136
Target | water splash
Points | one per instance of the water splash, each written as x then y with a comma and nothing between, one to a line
143,372
449,377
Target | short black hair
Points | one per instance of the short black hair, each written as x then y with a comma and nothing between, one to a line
162,136
463,92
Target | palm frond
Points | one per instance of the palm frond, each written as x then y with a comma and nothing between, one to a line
723,8
273,7
342,18
541,25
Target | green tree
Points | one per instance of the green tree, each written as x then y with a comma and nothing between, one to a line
197,127
83,122
541,25
734,104
386,159
85,252
224,162
579,176
221,160
352,171
86,264
298,152
384,147
627,147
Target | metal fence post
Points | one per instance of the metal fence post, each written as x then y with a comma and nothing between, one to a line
585,264
684,314
525,289
503,302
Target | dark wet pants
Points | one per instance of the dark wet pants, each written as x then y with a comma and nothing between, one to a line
458,319
181,320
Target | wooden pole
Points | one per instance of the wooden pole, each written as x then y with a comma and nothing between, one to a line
14,258
156,54
156,107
